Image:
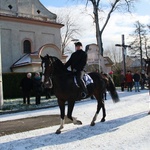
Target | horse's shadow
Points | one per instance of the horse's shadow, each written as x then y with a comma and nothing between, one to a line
81,132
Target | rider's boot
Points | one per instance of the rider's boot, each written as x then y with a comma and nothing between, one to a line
85,91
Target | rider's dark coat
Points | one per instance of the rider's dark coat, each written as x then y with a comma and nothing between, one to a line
77,60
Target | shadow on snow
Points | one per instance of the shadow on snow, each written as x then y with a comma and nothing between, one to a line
68,136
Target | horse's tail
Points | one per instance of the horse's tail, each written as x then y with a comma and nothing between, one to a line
112,90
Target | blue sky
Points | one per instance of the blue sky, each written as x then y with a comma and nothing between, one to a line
57,3
141,7
118,24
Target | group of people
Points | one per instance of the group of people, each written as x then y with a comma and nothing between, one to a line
28,85
132,79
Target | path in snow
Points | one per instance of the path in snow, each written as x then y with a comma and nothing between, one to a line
127,127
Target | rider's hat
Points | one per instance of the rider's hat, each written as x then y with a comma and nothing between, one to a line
78,44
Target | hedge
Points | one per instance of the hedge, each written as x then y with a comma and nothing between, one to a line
116,78
11,84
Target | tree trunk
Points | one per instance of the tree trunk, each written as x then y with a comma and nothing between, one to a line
98,32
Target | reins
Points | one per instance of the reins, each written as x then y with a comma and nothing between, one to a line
52,71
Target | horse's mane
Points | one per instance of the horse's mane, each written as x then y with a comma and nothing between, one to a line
57,64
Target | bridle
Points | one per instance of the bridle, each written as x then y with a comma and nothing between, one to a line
47,70
50,67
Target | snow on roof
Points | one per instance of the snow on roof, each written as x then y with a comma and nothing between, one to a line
22,61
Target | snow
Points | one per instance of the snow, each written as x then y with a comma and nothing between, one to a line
127,127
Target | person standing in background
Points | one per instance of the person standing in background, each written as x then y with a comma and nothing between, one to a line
129,81
26,85
122,81
136,78
143,79
37,87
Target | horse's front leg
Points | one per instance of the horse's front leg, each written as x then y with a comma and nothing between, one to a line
69,114
62,115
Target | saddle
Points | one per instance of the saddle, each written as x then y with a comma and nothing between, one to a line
86,79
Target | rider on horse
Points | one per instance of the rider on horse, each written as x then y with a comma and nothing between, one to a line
77,62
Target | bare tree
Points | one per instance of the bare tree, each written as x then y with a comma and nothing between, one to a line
111,6
116,56
146,47
70,29
140,41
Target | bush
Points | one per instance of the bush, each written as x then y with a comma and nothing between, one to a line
116,78
11,84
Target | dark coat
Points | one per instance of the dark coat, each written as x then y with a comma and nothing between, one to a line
77,60
136,77
122,78
26,84
37,85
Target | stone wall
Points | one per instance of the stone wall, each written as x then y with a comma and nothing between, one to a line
39,28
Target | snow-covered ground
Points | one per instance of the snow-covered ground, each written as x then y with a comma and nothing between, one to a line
127,127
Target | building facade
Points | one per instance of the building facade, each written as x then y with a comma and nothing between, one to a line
28,30
95,61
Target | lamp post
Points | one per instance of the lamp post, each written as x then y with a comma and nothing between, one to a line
123,52
75,40
1,86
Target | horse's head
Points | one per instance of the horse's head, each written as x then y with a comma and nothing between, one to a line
47,69
51,66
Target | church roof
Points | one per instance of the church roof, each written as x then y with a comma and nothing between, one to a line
25,60
32,9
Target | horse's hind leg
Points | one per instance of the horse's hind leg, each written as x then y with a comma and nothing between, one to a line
62,115
104,111
100,104
96,114
69,114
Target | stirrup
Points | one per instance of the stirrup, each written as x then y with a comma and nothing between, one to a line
83,95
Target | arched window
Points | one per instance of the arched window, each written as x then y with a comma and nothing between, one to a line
27,46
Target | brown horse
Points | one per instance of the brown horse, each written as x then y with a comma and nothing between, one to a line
66,89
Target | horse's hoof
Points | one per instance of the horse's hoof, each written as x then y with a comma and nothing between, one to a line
102,120
58,132
92,124
79,122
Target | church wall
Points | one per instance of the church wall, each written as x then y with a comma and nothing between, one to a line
5,3
29,8
26,20
6,53
13,35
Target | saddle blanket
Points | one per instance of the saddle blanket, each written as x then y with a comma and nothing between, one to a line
86,78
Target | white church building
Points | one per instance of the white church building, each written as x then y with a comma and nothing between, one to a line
28,30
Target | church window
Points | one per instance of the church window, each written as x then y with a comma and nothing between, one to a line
38,11
27,46
10,7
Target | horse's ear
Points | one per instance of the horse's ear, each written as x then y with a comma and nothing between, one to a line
41,57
